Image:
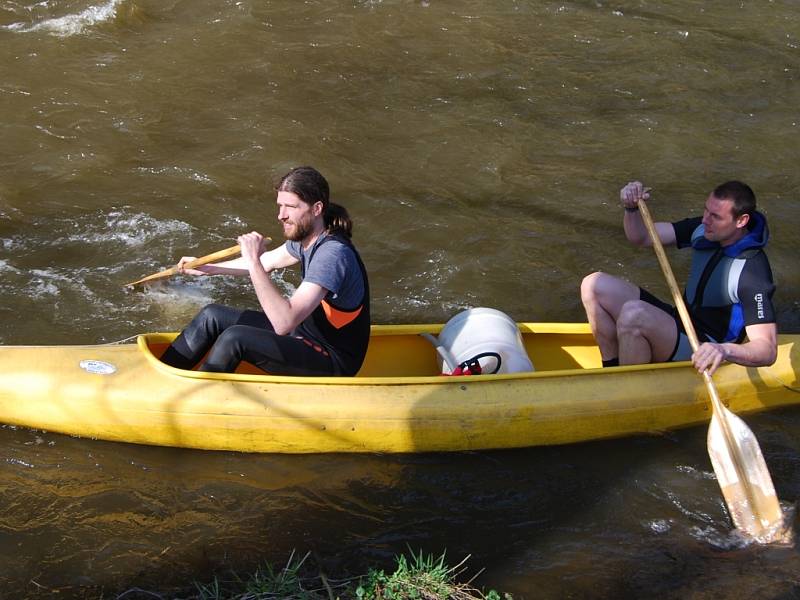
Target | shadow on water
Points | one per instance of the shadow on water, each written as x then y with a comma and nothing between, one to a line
626,518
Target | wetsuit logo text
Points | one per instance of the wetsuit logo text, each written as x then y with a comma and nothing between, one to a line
759,298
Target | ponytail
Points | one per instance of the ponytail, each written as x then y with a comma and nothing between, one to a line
337,220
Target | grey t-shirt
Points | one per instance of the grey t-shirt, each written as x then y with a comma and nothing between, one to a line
335,268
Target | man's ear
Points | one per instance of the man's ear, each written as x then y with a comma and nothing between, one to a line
742,221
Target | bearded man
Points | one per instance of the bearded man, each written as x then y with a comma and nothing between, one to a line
322,329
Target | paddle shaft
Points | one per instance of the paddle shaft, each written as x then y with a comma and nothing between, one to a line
677,297
716,403
197,262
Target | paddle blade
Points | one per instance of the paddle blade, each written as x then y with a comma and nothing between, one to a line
744,477
153,277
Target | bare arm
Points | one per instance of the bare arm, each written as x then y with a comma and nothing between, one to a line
632,222
277,258
760,350
284,313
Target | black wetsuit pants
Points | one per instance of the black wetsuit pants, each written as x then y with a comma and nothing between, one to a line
230,336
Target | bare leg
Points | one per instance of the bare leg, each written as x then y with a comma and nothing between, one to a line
603,297
645,333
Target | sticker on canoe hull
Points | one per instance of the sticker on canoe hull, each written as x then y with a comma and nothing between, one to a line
98,367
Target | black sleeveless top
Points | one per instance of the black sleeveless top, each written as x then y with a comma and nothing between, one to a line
344,333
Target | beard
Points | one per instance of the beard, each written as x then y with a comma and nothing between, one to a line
298,230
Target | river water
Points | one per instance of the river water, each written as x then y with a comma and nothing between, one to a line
480,148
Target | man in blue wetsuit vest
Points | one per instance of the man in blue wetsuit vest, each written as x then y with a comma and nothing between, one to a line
728,294
322,329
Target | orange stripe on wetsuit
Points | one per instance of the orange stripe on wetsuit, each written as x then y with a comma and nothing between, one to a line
340,318
343,333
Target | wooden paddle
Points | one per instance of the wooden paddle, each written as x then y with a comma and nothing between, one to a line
203,260
735,454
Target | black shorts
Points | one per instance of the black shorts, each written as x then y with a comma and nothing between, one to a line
683,349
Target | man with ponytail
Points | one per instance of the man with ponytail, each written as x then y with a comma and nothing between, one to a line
322,329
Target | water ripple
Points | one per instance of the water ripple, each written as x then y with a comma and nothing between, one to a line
71,24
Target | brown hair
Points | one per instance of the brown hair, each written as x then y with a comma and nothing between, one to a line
743,198
310,186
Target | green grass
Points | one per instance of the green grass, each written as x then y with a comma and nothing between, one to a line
420,577
423,578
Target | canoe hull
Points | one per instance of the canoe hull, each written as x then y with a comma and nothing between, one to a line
144,401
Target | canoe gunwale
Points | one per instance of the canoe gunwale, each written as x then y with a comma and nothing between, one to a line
143,341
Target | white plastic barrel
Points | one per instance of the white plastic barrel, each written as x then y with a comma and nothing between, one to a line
479,330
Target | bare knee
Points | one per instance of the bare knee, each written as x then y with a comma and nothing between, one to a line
607,291
591,285
634,317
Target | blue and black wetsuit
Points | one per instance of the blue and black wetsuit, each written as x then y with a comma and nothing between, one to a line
728,288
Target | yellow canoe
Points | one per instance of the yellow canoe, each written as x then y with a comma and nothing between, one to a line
397,403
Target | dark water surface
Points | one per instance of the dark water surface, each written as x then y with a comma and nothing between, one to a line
480,147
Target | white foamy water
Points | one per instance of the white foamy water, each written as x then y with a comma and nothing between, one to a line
130,229
5,266
39,288
287,287
176,296
695,473
72,24
190,174
50,285
720,539
117,227
659,525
